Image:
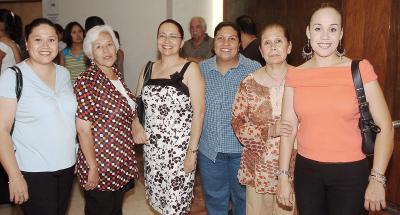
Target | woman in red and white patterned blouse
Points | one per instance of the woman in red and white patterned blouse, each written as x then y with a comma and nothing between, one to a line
256,122
106,160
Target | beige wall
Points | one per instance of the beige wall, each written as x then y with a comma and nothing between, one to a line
28,11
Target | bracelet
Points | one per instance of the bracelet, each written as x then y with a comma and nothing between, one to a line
192,150
377,179
282,172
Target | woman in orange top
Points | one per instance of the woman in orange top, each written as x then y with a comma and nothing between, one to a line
331,172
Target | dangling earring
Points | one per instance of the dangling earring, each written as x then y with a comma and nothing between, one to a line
307,51
340,50
92,63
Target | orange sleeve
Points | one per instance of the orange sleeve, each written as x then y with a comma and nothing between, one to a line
367,71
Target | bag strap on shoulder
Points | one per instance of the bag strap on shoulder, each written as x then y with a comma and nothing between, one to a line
147,73
19,83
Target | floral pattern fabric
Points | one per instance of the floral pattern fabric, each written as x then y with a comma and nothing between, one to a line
256,111
111,116
168,118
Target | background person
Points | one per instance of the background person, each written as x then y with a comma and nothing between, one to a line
72,57
200,46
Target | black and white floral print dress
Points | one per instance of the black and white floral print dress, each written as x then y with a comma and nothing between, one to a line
167,124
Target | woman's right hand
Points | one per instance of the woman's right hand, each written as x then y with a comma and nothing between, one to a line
139,134
285,192
93,179
18,190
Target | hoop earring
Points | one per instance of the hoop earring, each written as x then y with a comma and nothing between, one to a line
340,50
307,51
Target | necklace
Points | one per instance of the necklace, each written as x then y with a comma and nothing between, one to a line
276,93
280,80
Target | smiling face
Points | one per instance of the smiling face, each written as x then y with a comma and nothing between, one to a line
42,44
76,34
274,45
104,51
169,40
226,44
325,31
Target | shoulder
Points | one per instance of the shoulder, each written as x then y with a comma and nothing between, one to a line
247,62
205,65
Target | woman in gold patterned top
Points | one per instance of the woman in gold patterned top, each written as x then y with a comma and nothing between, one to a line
256,122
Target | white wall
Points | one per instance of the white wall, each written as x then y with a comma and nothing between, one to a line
137,22
210,10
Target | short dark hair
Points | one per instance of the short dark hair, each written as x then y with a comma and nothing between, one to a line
179,26
92,21
35,23
67,34
277,25
246,24
227,24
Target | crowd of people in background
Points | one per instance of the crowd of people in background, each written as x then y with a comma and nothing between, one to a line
260,131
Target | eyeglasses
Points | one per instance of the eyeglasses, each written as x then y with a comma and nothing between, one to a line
171,37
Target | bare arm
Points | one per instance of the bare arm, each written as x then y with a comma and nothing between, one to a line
17,184
138,133
86,143
375,193
196,85
286,147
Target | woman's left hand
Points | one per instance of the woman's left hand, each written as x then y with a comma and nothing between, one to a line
374,196
189,165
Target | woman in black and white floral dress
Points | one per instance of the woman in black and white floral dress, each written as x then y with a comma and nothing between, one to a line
174,107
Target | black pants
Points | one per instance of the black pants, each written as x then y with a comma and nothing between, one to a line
330,188
49,192
105,202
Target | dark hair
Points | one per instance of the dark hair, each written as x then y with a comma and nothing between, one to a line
227,24
179,26
325,5
7,17
277,25
117,36
59,29
67,33
246,25
92,21
35,23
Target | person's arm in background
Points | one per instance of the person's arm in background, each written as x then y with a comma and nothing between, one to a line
375,193
196,85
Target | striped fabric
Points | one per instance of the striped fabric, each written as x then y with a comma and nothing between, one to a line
74,64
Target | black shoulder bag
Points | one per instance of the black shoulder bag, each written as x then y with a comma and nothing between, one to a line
366,124
139,101
4,196
18,87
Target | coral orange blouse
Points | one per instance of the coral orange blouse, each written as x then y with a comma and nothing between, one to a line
327,109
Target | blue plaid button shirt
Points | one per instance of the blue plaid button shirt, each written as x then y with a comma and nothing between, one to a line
217,135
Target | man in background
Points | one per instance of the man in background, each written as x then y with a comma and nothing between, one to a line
199,47
250,44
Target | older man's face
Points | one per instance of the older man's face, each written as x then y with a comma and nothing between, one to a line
196,29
